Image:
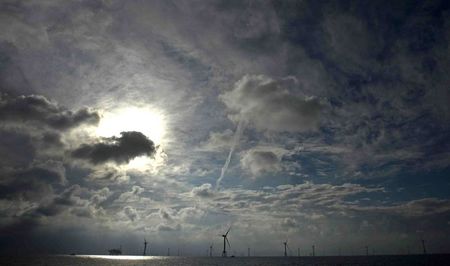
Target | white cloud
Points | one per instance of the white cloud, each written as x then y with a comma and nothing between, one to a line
261,161
268,105
264,159
203,191
218,141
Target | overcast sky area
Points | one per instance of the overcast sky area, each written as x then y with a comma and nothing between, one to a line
315,122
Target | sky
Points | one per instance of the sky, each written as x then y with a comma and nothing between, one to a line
321,123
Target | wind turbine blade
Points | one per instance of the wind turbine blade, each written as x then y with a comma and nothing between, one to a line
228,242
228,231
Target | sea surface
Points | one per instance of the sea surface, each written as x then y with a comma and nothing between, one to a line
91,260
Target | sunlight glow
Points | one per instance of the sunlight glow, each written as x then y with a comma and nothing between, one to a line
120,257
150,122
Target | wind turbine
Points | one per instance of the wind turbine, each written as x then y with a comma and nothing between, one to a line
145,247
210,249
285,246
423,247
225,239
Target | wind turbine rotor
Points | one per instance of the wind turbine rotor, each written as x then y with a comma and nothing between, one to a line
227,231
228,242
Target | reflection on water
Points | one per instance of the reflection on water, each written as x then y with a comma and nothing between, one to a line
121,257
106,260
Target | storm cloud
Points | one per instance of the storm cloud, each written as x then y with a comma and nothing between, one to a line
116,149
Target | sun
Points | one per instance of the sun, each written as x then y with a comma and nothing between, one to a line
148,121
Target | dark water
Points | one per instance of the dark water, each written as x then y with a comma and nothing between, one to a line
244,261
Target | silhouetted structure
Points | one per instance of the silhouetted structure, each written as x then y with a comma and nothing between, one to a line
423,246
145,247
210,249
298,252
248,252
168,251
285,248
313,250
225,239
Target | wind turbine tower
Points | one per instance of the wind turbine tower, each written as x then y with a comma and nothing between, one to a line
145,247
285,250
225,239
423,246
210,249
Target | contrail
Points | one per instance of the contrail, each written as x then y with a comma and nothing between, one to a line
237,136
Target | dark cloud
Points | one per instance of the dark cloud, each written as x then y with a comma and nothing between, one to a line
38,110
16,149
12,78
117,149
30,184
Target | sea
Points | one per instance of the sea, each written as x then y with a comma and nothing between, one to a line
98,260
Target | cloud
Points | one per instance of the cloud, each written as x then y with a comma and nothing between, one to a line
168,228
203,191
130,212
269,105
218,141
191,215
413,208
16,149
39,111
101,195
259,162
132,196
165,215
120,150
29,184
289,223
67,199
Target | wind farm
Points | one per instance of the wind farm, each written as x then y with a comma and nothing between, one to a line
245,251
